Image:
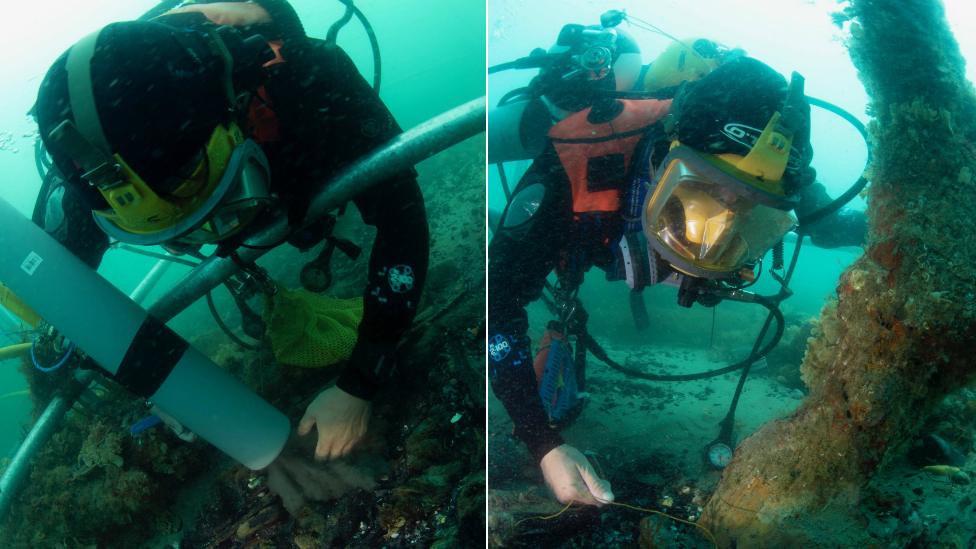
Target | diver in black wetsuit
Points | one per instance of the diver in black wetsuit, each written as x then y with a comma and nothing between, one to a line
183,131
579,205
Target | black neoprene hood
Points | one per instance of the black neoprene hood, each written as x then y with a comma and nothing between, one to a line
158,101
744,92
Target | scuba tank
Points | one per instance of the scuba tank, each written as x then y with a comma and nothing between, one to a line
518,129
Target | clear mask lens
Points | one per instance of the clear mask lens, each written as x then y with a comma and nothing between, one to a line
704,227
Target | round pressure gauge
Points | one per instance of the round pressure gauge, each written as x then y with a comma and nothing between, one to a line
719,454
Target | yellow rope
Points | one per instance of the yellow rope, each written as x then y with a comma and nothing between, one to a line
544,517
708,533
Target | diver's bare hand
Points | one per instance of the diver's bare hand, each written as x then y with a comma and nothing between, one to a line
571,477
341,420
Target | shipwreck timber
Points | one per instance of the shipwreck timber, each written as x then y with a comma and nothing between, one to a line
901,333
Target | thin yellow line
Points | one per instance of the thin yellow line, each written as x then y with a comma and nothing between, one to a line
708,533
543,517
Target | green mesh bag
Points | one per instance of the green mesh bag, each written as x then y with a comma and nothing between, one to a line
311,330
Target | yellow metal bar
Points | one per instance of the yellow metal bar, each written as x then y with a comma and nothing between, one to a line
24,392
14,351
13,304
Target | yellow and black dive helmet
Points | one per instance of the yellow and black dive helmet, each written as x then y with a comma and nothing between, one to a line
143,118
721,201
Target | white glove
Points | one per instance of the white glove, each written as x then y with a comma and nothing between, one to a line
341,420
571,477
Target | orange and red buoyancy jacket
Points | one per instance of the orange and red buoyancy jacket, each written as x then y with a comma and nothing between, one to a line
597,157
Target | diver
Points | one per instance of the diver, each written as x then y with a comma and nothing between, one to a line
587,64
696,186
203,125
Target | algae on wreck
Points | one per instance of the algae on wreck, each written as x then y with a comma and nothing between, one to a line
894,345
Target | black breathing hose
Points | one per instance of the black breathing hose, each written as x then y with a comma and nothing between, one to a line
374,44
40,207
333,35
778,256
775,313
536,60
226,329
512,95
517,64
41,162
862,181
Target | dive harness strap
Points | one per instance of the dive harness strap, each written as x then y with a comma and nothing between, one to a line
87,145
100,169
84,140
80,92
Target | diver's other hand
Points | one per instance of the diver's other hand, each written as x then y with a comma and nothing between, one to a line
341,420
571,477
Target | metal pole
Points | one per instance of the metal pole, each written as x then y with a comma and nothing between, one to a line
400,153
18,471
167,256
50,421
149,282
14,351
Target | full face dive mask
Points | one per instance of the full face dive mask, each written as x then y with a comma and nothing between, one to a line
713,215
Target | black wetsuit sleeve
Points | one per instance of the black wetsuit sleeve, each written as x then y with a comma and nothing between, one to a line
399,258
397,270
331,117
846,227
517,269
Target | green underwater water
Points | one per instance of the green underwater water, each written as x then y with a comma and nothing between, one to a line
432,57
433,60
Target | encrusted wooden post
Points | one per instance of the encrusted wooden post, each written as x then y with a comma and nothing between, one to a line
902,332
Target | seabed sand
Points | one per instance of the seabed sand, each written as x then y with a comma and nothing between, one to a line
628,417
648,439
